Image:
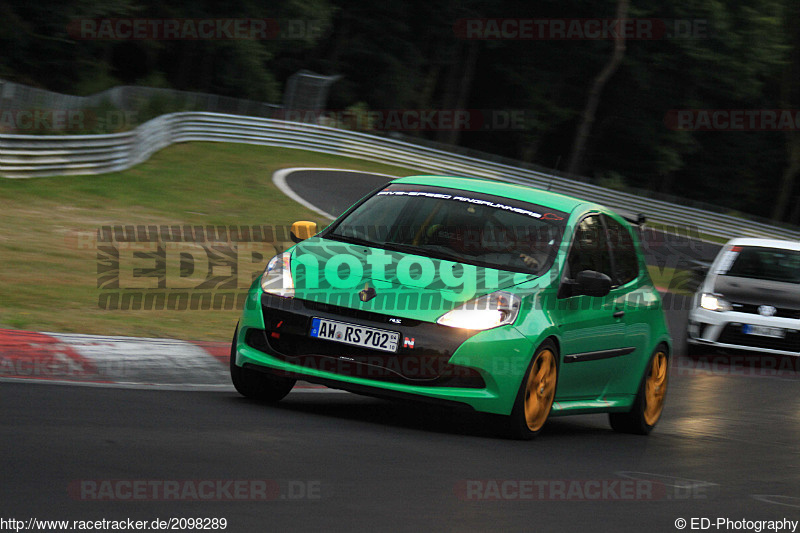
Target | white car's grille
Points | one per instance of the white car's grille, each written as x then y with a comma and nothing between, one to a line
782,312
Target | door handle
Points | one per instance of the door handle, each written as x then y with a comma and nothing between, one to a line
619,314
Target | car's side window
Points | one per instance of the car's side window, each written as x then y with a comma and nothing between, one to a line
626,262
589,248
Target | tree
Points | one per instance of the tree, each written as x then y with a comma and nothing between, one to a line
790,99
599,82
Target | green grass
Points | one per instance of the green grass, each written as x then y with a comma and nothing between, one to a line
49,262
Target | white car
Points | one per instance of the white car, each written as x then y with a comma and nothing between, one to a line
750,300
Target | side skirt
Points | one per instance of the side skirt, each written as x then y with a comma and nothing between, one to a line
614,404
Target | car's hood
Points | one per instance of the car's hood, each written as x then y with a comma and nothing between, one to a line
758,291
405,285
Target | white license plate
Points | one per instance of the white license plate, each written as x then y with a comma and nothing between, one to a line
764,331
332,330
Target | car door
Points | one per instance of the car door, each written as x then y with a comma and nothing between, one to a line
592,330
633,299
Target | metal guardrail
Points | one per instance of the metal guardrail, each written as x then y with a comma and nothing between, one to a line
27,156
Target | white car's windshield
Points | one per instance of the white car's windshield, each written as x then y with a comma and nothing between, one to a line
772,264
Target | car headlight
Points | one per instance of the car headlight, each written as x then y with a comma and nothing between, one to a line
714,302
487,312
277,278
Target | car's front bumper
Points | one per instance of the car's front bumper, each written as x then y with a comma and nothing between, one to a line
483,370
715,329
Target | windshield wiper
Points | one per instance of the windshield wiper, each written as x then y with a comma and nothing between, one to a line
354,240
427,252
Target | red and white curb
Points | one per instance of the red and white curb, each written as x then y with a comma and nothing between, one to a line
101,360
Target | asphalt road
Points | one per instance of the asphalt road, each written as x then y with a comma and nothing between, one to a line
726,443
726,446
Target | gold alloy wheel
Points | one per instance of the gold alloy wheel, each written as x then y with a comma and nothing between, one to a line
655,388
540,390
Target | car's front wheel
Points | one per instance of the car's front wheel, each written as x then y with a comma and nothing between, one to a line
256,385
649,402
536,394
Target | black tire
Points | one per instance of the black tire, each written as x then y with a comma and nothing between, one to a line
538,397
256,385
649,402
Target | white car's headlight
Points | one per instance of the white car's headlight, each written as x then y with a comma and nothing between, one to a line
277,278
714,302
490,311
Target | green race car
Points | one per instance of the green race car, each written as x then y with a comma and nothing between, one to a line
508,299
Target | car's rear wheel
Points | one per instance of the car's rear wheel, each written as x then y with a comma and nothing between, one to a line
536,394
256,385
649,402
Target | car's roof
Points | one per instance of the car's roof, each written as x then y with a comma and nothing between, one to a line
525,193
764,243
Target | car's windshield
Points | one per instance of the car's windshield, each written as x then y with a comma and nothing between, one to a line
457,225
772,264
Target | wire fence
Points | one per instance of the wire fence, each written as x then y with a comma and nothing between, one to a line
127,98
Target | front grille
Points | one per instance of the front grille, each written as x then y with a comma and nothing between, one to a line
355,313
732,334
422,358
783,312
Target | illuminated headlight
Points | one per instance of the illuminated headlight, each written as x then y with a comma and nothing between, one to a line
277,278
490,311
714,302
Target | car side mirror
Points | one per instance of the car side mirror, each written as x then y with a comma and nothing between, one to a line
302,230
591,283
